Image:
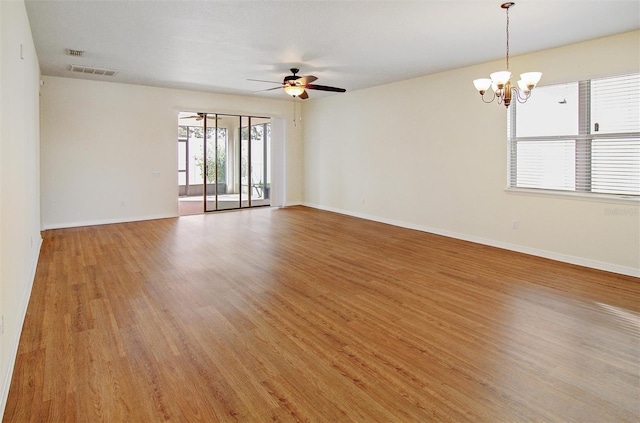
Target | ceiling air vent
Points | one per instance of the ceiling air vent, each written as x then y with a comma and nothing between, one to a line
93,71
76,53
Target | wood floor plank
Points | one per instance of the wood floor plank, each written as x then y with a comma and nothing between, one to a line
301,315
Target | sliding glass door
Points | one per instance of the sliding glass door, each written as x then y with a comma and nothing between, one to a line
260,142
215,157
231,160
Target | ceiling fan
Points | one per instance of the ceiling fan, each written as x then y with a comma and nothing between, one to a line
197,116
297,86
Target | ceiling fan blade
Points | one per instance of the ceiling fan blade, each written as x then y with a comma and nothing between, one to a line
262,80
305,80
304,95
325,88
268,89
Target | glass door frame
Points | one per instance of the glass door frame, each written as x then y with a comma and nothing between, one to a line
228,174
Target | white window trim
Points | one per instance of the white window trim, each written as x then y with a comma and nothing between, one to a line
576,195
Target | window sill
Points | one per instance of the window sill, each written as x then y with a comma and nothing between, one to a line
602,198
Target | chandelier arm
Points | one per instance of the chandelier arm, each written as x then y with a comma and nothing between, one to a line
521,98
493,97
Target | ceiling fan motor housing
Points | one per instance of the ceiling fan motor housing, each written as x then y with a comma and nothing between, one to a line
291,78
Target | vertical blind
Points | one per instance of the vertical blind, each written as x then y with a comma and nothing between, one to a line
582,136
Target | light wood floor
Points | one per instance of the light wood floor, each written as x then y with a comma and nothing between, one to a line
190,207
298,315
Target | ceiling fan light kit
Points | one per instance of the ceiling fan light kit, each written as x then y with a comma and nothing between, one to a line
294,90
500,82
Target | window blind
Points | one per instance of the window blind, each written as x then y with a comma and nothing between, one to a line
615,166
582,136
615,105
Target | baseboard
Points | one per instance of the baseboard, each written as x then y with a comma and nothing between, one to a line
105,221
6,380
566,258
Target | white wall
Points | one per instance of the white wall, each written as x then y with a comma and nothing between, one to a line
19,180
429,154
103,141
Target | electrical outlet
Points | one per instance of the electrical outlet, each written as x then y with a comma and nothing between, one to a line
515,224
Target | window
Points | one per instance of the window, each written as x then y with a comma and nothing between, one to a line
581,136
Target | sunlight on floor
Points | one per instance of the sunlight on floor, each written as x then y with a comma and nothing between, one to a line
626,316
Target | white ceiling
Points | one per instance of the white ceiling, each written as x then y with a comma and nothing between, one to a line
217,45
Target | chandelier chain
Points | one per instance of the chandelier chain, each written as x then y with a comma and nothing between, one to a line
507,38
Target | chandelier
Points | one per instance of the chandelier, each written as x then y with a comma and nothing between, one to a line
500,82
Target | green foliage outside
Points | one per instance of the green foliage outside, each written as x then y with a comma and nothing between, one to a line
212,158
